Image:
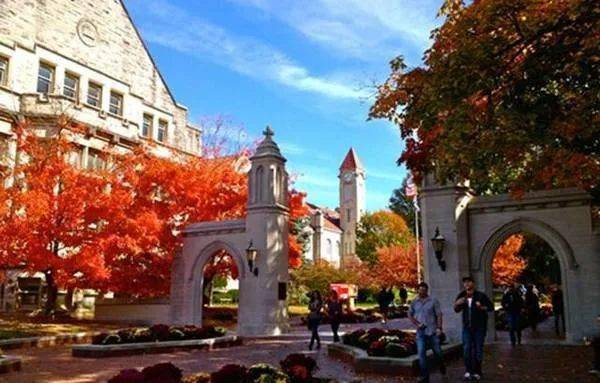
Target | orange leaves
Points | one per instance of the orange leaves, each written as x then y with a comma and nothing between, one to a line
507,265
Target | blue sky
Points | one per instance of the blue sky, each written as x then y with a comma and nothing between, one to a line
307,68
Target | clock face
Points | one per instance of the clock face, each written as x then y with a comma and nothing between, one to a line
348,177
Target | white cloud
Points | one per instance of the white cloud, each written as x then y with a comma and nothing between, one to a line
366,30
172,27
387,175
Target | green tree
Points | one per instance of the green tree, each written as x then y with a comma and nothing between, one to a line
402,205
378,230
508,96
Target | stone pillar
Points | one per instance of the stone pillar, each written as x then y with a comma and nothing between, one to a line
445,207
317,223
263,308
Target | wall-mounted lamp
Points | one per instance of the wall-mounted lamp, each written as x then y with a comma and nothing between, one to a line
437,242
251,254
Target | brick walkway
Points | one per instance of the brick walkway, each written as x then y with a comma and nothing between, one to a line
528,363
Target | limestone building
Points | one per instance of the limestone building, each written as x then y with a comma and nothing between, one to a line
86,60
333,232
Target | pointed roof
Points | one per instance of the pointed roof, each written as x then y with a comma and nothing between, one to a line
351,162
268,147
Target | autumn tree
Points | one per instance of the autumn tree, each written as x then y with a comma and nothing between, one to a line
53,213
396,265
317,276
378,230
508,264
508,96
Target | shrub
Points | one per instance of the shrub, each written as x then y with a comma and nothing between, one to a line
128,376
176,334
376,348
193,332
162,372
160,332
201,377
112,339
127,335
265,373
299,367
397,350
231,373
351,339
142,336
99,338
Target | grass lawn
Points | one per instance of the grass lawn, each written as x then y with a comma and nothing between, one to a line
20,325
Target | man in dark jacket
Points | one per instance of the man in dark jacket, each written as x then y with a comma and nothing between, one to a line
474,306
558,309
513,305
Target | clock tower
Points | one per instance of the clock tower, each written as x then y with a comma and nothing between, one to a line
352,203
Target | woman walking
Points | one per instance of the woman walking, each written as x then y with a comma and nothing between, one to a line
314,318
334,312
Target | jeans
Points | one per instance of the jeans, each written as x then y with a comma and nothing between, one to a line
335,325
473,339
423,343
559,317
314,327
514,327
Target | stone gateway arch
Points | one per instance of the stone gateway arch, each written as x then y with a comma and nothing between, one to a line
474,226
262,301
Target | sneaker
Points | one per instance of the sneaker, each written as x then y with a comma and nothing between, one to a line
476,377
467,376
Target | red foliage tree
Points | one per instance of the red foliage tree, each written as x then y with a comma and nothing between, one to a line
116,228
507,264
396,265
53,213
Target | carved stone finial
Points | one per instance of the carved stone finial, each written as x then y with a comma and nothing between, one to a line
269,132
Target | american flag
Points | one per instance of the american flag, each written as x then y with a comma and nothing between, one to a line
411,187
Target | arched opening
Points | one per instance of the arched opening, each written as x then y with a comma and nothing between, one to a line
220,290
528,288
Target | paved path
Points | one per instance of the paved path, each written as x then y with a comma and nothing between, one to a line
528,363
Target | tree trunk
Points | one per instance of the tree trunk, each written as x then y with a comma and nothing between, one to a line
69,298
51,293
206,291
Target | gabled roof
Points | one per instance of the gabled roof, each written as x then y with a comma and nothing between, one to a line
331,218
143,42
351,162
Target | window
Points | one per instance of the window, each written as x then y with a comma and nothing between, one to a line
329,248
45,78
3,70
116,103
94,96
348,214
147,125
71,86
162,130
95,160
75,156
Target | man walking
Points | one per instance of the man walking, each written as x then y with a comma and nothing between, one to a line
403,294
474,306
426,315
558,309
513,306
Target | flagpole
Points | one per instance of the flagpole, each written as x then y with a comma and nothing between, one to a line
418,250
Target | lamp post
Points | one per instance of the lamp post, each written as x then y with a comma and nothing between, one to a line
437,242
251,253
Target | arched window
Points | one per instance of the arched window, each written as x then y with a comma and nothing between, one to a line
259,184
329,248
279,190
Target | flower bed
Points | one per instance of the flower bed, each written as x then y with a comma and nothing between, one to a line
364,315
379,342
155,339
295,368
381,351
157,333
